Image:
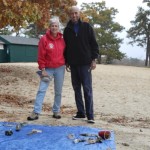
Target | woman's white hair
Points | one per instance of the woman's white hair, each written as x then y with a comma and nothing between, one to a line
54,19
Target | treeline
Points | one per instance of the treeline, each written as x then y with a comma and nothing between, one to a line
31,19
126,62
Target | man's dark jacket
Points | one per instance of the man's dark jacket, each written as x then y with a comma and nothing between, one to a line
81,47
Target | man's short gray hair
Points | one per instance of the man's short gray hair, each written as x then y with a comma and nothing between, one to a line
74,8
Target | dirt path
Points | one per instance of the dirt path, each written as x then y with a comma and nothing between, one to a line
121,101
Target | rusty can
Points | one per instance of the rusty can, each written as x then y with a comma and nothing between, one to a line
104,134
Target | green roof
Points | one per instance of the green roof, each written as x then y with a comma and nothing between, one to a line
1,42
18,40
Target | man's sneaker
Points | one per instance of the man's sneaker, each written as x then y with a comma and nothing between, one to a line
77,117
33,116
91,121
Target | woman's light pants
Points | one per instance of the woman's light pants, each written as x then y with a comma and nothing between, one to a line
58,75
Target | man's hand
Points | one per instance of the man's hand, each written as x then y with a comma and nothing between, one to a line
68,68
93,65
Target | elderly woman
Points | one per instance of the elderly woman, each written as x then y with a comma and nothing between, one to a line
52,64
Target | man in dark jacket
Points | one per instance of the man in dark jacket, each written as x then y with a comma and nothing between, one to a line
80,54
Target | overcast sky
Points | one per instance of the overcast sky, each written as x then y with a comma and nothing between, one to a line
127,10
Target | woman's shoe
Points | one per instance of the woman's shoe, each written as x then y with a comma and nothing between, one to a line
56,115
33,116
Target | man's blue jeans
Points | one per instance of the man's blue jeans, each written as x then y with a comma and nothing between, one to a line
58,75
81,77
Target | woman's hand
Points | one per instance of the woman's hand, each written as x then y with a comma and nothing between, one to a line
44,73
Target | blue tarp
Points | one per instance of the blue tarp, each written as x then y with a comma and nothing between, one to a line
51,138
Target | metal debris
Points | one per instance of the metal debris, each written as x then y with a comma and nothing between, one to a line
34,131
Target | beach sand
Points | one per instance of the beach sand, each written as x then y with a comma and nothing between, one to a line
121,101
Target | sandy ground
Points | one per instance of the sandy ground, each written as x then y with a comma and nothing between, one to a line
121,101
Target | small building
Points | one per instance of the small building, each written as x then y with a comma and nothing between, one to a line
18,49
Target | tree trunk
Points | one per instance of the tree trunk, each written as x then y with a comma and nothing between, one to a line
146,60
147,50
99,60
148,53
